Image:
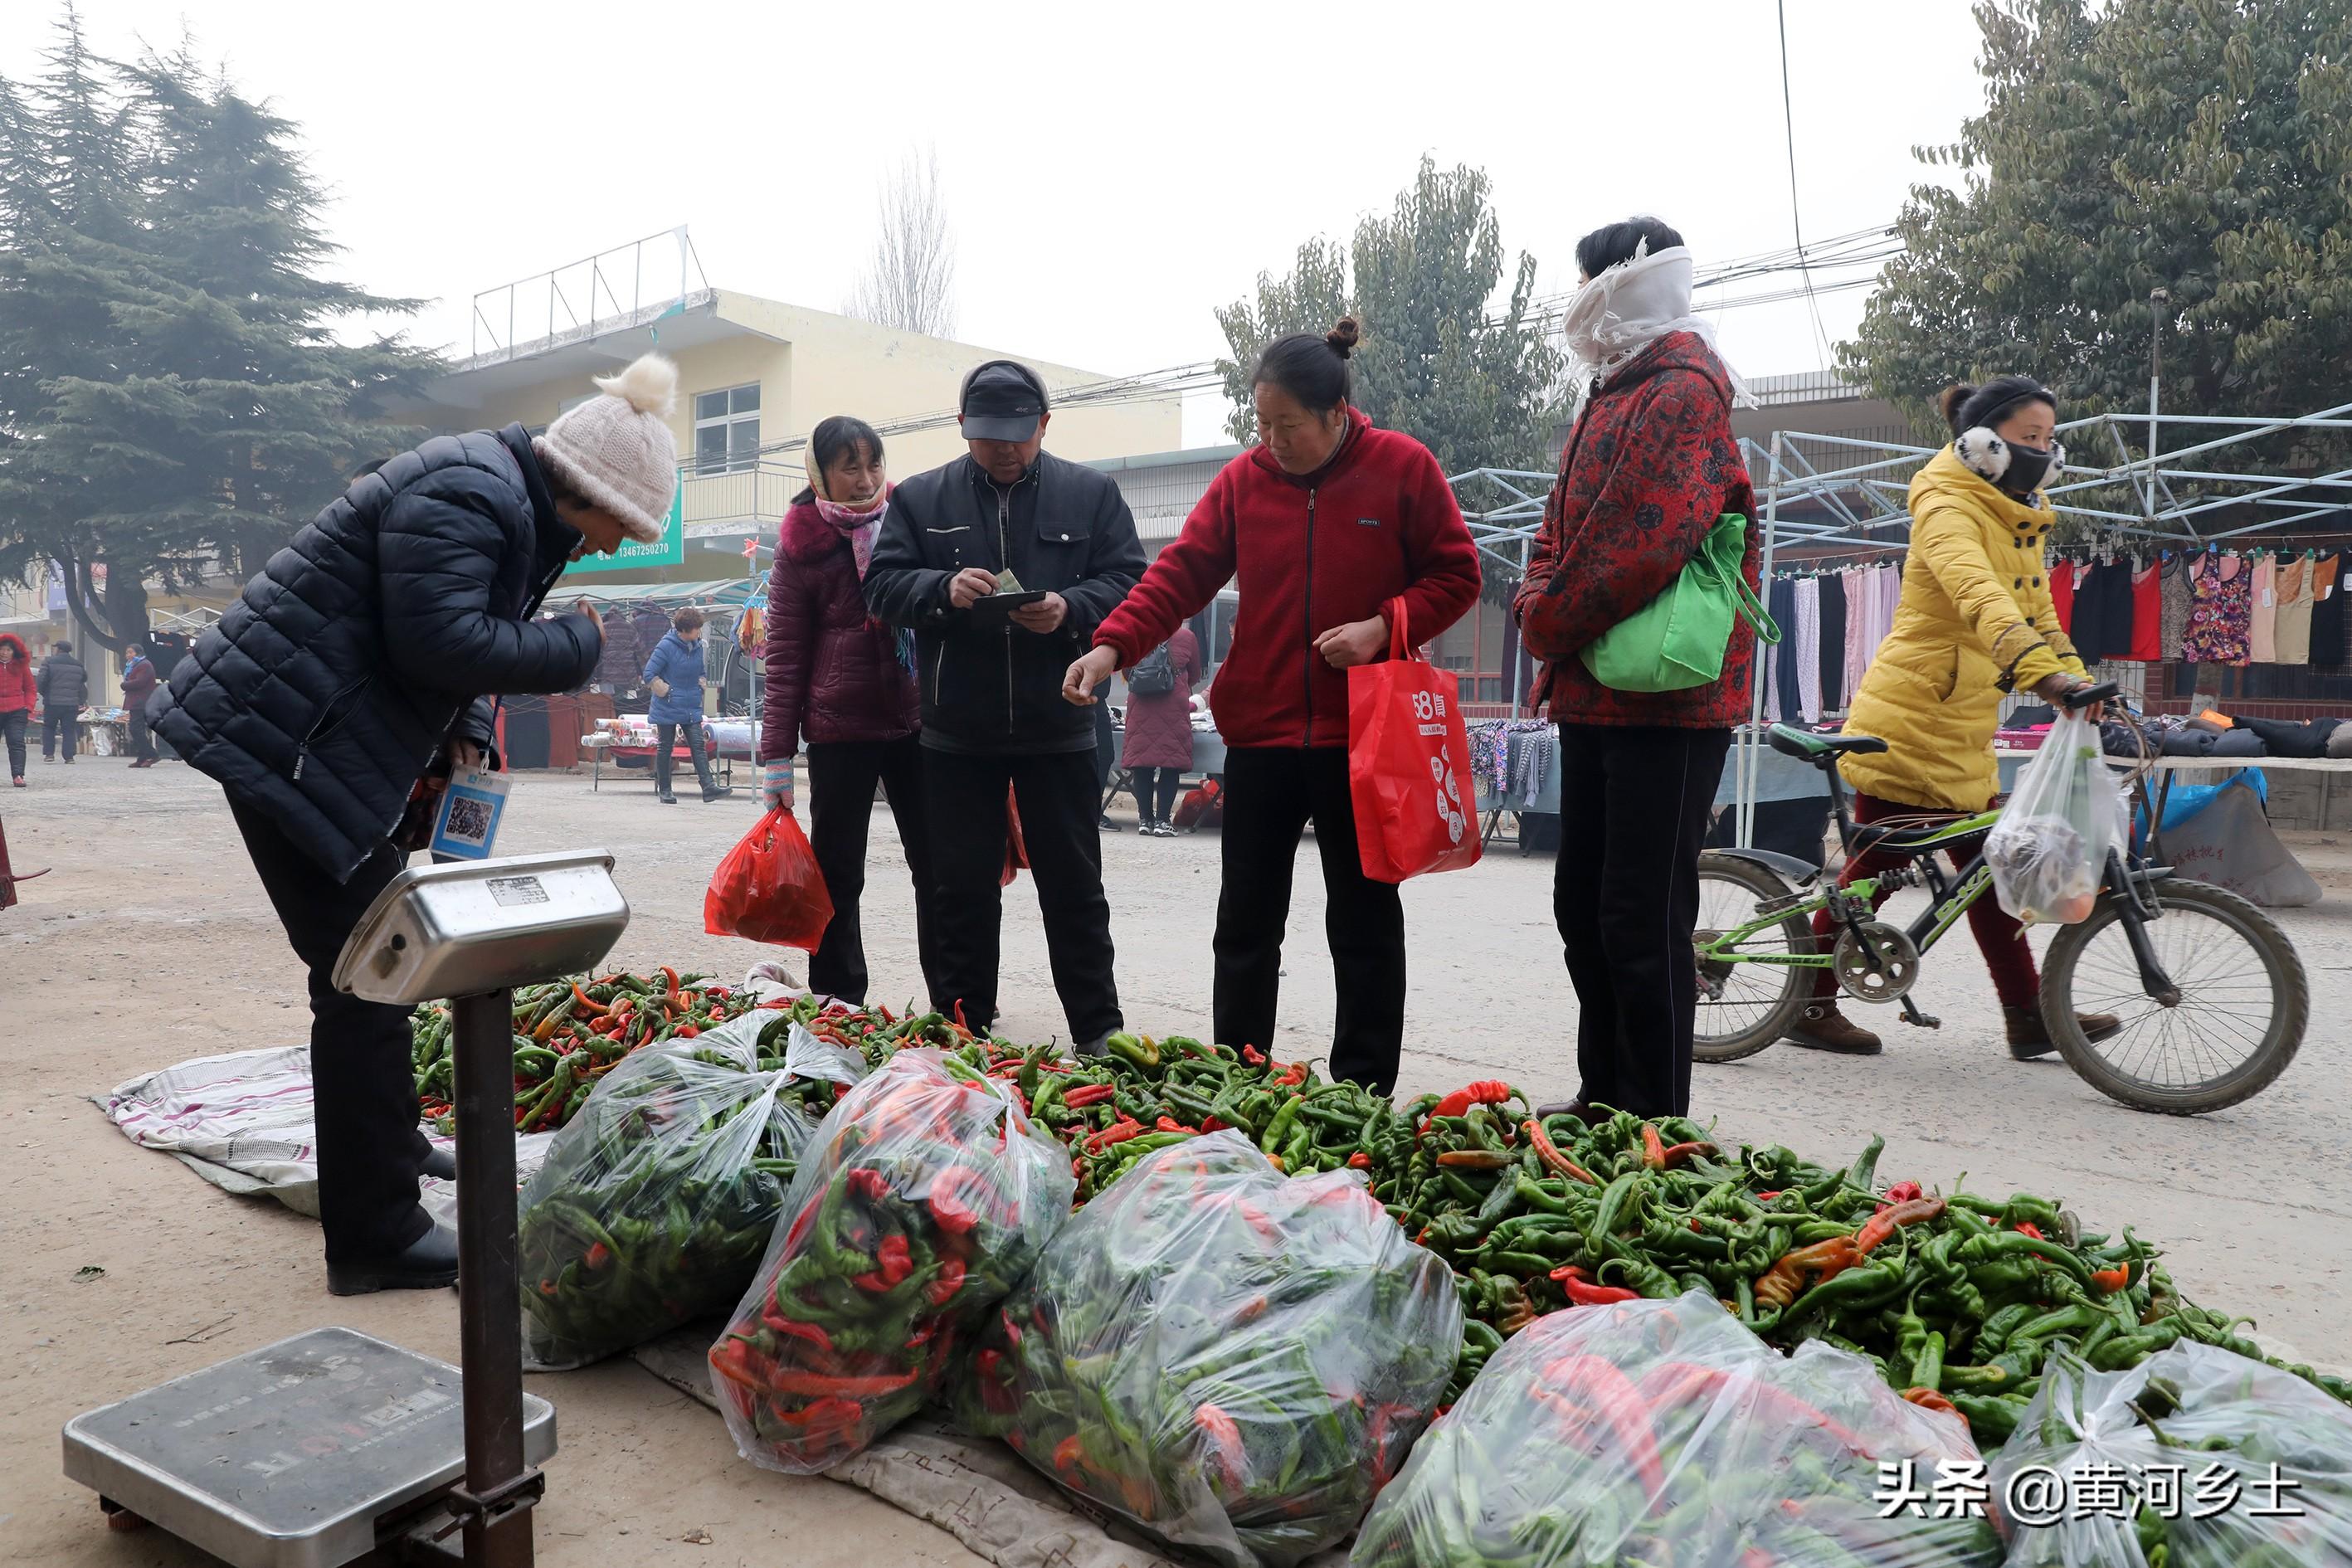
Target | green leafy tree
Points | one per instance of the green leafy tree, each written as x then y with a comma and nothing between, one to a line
173,399
1481,386
2201,147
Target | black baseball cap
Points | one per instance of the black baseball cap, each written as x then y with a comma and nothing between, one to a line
1001,401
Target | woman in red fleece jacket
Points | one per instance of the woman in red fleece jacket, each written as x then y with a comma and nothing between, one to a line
1330,529
15,702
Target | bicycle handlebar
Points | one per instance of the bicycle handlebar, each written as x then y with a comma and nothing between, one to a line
2083,697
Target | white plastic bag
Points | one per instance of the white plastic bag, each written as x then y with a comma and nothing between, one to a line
2049,851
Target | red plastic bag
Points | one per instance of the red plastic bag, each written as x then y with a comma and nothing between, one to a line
768,888
1409,764
1203,805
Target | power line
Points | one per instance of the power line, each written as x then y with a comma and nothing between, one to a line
1796,224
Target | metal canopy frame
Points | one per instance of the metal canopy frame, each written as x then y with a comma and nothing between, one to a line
1850,493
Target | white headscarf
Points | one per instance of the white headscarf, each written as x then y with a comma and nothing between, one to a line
1631,306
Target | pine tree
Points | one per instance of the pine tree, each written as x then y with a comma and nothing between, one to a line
175,401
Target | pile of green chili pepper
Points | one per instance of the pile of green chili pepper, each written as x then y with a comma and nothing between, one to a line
2222,1463
1665,1432
1233,1360
569,1032
926,1194
656,1203
1959,1300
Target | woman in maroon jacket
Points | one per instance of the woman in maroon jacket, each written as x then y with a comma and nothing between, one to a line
1649,467
1158,746
840,680
1331,528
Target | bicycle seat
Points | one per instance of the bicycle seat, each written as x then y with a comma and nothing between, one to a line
1821,749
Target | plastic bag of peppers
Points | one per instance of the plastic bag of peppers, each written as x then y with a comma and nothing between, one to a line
657,1201
2198,1457
927,1192
1233,1360
1664,1432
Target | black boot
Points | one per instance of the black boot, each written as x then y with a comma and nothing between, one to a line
428,1263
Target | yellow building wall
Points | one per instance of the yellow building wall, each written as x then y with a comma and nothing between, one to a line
813,364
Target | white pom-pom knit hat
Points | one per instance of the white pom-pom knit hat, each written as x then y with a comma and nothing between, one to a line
617,451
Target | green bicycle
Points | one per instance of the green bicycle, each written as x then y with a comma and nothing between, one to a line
2212,996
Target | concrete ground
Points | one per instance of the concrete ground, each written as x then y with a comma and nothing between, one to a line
149,941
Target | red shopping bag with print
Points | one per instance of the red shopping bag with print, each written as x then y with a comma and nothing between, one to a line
768,889
1409,764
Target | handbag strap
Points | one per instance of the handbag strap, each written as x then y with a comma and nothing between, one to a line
1751,608
1400,645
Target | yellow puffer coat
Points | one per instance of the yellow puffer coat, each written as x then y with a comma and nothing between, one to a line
1976,620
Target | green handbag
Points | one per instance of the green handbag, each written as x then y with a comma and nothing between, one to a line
1678,639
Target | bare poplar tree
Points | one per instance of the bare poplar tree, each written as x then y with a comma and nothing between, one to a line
909,283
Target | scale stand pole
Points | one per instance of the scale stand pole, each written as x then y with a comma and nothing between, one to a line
496,1499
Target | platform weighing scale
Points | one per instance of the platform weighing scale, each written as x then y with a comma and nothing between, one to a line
318,1449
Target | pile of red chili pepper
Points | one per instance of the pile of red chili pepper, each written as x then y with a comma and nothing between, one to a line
926,1194
568,1033
1233,1360
1665,1432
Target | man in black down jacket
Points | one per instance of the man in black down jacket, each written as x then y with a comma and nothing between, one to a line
355,672
992,686
64,686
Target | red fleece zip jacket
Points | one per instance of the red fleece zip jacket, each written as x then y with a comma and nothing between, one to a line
17,687
1376,527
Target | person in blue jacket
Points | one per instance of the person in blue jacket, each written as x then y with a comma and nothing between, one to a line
675,674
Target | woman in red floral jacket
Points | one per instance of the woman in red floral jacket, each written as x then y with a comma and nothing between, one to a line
836,678
1648,469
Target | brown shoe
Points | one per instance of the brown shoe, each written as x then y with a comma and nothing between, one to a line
1822,1027
2028,1038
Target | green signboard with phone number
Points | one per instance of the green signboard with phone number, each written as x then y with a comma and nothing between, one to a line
670,550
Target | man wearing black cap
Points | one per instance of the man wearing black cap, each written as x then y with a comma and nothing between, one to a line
1057,537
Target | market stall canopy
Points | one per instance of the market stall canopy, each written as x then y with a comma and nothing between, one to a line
722,590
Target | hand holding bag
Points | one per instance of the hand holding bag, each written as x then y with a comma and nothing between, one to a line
1408,763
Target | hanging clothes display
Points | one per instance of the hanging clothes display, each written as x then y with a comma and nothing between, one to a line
1782,607
2174,627
2062,596
1809,649
2328,612
2102,611
2292,634
2261,612
1832,642
2147,643
2220,610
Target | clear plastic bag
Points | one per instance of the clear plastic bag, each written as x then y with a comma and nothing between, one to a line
656,1201
2049,850
1664,1432
1231,1360
2100,1459
927,1193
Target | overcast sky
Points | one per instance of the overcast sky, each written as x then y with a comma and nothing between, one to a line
1115,173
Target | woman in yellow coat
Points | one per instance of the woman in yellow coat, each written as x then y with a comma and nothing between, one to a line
1974,623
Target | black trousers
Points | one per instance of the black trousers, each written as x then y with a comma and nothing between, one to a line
1633,808
1106,749
666,738
60,724
1060,802
12,727
1155,791
1271,793
364,1087
841,776
143,739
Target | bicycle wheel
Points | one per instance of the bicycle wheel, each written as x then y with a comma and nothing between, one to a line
1745,1007
2243,1002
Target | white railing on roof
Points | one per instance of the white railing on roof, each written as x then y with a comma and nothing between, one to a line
614,290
